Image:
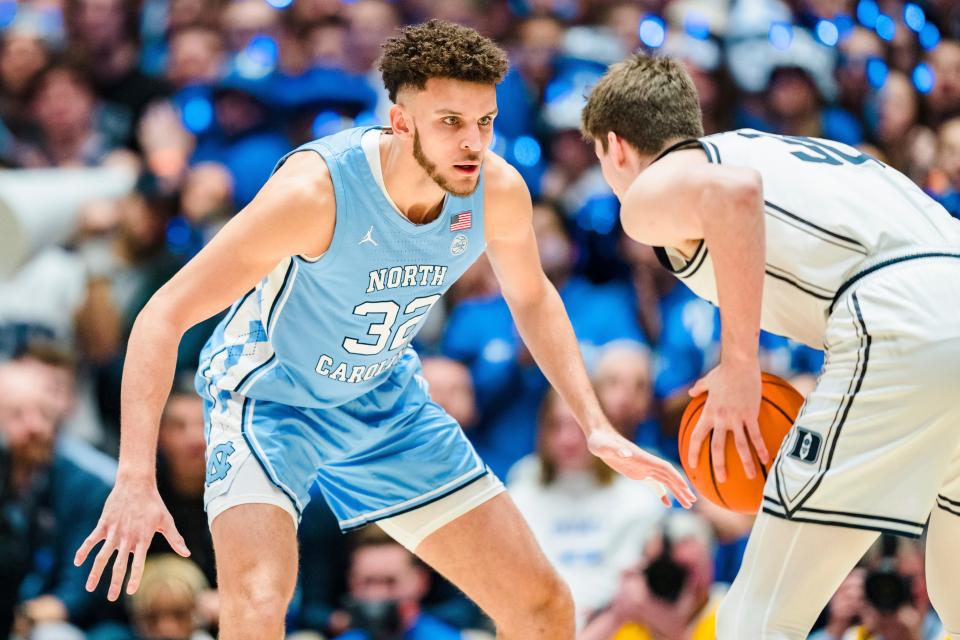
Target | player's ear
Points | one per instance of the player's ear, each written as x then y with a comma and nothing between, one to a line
616,149
400,122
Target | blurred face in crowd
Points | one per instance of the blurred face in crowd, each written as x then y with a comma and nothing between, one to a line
451,388
100,23
898,108
63,104
370,22
856,49
385,572
327,45
181,438
540,40
196,56
169,615
553,242
944,98
62,386
22,56
624,386
563,442
207,191
792,94
452,126
28,414
623,20
243,19
949,151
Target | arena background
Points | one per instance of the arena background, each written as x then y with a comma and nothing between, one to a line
131,131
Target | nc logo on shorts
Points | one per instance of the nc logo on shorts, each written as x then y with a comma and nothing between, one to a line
806,446
217,465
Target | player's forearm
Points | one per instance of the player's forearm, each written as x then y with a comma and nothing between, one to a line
147,377
546,330
734,234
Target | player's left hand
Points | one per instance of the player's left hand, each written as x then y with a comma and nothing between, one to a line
733,406
633,462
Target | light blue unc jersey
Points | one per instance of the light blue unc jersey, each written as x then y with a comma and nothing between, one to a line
319,332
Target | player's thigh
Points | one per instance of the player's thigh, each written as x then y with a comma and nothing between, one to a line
789,572
491,554
256,553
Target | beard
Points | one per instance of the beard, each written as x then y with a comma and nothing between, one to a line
427,165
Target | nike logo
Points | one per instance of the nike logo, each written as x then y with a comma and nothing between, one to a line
368,238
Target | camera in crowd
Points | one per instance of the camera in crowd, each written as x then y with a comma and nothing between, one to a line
665,577
886,589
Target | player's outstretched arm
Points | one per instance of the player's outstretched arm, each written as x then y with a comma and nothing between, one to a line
680,199
545,328
294,213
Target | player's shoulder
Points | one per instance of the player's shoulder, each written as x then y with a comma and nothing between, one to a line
305,170
502,182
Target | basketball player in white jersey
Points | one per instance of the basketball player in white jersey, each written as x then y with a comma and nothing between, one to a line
310,378
816,241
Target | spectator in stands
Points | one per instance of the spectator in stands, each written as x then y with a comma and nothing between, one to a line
167,604
23,54
943,101
670,593
451,388
911,618
624,382
71,488
196,56
104,38
589,521
907,145
181,473
77,414
64,109
387,585
844,609
945,178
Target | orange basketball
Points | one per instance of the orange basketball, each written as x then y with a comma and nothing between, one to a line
778,410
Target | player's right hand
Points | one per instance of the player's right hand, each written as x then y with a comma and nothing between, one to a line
732,407
132,514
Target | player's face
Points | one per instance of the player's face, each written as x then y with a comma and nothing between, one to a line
452,125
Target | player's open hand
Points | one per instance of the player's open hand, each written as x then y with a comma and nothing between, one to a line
633,462
732,407
132,514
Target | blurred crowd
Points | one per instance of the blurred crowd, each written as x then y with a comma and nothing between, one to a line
199,98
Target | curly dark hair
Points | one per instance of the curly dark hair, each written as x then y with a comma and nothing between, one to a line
439,49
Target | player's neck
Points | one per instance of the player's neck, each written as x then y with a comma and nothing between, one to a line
413,192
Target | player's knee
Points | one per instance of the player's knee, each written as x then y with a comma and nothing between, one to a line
549,599
263,602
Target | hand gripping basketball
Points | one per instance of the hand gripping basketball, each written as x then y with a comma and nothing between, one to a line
726,406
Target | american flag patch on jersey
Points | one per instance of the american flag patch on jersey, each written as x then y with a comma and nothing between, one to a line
461,221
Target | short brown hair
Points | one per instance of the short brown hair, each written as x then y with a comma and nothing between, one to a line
439,49
645,100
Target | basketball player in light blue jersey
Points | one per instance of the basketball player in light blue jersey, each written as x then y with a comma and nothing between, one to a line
310,379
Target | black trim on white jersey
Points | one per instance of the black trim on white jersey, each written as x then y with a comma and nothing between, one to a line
690,267
849,521
797,282
886,263
816,230
832,435
950,506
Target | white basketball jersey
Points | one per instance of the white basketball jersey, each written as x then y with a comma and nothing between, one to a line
832,213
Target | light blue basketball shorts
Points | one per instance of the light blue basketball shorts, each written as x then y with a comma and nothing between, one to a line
387,452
